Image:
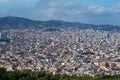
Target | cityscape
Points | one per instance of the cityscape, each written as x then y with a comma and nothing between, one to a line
70,51
59,39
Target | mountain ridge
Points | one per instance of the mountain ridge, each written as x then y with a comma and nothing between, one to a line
11,22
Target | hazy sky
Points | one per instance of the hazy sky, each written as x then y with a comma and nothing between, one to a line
84,11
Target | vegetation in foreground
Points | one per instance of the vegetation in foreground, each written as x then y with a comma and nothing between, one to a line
41,75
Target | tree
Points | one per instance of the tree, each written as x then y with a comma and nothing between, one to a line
3,74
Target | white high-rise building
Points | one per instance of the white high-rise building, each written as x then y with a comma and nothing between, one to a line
0,35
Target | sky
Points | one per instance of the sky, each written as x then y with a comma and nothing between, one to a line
84,11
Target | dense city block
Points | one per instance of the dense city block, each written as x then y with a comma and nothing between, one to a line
70,51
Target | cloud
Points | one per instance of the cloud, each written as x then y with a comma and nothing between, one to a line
3,1
9,1
67,10
19,1
96,8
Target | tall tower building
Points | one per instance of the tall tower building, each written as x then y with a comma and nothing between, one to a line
0,35
78,36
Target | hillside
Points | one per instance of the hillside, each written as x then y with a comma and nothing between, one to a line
10,22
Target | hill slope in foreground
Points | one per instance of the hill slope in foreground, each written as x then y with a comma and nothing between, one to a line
41,75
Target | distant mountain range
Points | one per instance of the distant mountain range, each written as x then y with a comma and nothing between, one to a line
10,22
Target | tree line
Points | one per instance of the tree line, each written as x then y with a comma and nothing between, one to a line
42,75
